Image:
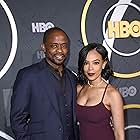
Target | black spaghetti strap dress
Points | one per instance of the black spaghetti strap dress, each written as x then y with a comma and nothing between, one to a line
94,122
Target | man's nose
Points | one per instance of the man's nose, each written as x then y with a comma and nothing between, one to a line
59,48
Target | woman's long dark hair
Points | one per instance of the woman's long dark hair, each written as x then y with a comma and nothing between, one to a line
106,72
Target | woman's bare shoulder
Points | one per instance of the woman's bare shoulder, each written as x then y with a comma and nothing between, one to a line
112,89
79,88
113,92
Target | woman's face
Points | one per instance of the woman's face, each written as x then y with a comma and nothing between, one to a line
93,65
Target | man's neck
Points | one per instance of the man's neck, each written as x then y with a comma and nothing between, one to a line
58,68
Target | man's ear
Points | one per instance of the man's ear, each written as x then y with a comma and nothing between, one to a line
43,48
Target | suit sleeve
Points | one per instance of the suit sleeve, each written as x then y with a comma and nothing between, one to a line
20,100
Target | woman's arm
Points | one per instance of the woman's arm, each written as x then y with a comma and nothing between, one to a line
116,104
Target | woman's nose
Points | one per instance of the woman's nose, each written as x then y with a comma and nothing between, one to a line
90,67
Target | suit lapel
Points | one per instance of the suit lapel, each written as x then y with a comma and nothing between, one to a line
48,86
49,89
73,86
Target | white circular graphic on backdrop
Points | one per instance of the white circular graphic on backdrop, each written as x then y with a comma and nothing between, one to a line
14,39
105,36
132,126
5,136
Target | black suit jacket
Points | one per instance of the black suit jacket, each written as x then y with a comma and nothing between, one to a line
34,107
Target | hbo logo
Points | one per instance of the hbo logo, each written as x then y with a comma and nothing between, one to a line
41,26
123,29
128,91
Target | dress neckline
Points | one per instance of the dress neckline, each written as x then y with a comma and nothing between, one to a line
97,103
89,105
93,106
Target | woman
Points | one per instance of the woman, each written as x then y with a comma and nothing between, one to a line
99,105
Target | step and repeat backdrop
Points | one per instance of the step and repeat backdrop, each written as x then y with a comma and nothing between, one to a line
114,23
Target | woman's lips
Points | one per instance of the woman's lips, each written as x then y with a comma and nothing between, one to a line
91,74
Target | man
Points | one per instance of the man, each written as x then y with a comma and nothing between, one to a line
42,104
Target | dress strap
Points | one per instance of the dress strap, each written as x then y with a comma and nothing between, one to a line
104,92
